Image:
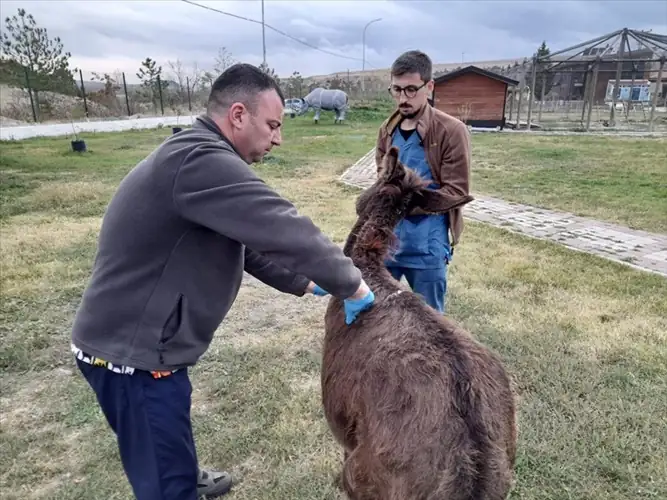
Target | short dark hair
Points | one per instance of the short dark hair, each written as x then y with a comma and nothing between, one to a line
413,61
240,82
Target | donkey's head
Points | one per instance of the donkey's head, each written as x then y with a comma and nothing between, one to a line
396,193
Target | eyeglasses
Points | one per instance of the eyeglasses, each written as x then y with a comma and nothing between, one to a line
410,90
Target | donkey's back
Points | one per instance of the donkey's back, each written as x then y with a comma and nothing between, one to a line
423,410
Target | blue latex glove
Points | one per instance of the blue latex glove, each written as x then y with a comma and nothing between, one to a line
319,291
354,307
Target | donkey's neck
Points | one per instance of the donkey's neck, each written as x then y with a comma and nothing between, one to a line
372,239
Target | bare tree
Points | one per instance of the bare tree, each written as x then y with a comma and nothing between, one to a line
107,96
223,60
185,76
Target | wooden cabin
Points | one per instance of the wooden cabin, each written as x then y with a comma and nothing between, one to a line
474,95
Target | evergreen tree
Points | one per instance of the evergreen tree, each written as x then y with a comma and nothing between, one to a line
540,77
29,55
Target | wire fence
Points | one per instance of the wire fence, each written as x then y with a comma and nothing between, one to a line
32,98
578,97
584,96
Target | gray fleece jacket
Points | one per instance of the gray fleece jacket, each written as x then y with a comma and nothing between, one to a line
176,237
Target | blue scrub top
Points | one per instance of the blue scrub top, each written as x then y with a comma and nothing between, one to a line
423,239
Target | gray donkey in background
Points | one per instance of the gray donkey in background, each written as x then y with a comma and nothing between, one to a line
325,99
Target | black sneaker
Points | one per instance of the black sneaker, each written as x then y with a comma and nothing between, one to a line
213,484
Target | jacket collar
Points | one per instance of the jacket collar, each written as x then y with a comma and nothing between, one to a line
423,121
204,121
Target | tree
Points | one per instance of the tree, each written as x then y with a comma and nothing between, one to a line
185,77
223,60
149,74
540,76
270,71
108,96
294,86
27,48
335,83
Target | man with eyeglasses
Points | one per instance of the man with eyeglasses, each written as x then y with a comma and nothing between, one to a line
437,146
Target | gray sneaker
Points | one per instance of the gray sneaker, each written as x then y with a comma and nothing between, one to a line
213,484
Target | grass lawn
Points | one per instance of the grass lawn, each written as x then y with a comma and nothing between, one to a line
620,180
584,338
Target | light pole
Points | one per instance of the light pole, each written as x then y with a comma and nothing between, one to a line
263,38
363,56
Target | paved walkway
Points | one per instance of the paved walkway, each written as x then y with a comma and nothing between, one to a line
638,249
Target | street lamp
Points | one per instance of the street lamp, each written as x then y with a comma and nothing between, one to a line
363,57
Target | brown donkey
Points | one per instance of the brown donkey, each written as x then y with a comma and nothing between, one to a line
423,411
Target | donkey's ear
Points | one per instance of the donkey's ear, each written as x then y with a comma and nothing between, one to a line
435,202
391,167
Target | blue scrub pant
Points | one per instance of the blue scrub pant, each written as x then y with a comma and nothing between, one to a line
151,420
429,283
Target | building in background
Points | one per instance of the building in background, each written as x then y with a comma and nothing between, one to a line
474,95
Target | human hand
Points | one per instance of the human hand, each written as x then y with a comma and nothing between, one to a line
354,306
361,292
316,289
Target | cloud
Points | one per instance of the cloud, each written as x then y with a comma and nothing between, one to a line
117,35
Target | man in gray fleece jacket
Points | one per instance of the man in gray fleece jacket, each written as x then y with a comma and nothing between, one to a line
179,232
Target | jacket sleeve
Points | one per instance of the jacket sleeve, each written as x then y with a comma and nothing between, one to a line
379,149
215,188
454,164
273,275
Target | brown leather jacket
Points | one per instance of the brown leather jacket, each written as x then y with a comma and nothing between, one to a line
446,142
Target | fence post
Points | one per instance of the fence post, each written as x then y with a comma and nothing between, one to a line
591,94
511,97
584,99
83,92
159,87
518,108
654,100
617,82
531,96
544,84
187,83
127,99
32,102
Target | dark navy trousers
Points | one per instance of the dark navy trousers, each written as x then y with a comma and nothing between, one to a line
431,284
151,420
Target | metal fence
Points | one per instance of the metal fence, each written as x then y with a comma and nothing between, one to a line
91,95
585,98
101,97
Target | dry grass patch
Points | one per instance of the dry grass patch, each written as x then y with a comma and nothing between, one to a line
32,236
55,195
48,438
41,257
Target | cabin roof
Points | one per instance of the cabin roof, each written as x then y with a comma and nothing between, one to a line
474,69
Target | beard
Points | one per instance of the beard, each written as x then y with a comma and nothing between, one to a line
408,113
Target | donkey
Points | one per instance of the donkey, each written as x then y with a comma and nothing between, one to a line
422,410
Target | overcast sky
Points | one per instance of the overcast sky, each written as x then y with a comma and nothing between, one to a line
114,35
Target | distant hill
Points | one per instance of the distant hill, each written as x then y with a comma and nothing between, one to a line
437,68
